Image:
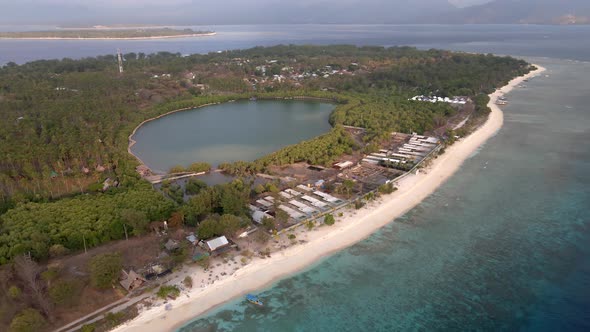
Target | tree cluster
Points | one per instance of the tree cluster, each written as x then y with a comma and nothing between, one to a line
80,221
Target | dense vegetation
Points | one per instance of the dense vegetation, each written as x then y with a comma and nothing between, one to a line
68,123
67,182
322,150
227,199
72,223
102,33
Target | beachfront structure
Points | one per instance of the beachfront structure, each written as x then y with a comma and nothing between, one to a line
171,245
217,243
292,213
258,216
302,207
432,140
315,202
425,139
343,164
391,160
425,145
192,238
435,99
417,153
417,147
370,161
285,195
292,192
327,197
420,140
414,153
401,155
370,157
304,188
130,280
264,203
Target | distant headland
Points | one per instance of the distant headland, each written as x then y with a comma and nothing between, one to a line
106,33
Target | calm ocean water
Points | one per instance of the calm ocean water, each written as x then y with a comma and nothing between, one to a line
503,245
569,42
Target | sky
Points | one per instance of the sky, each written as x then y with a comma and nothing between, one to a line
189,12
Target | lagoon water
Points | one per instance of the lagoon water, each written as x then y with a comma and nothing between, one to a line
241,130
502,246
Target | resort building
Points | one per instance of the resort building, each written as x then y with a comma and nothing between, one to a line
130,280
217,243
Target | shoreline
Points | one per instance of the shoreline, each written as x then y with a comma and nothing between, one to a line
131,141
112,38
321,242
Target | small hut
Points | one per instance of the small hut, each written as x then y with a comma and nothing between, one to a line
171,245
217,243
130,280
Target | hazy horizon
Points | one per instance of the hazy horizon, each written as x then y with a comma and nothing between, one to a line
196,12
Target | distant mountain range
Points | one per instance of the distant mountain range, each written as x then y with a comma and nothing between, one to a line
316,12
519,12
393,11
197,12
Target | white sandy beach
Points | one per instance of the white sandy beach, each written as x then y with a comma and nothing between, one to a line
353,227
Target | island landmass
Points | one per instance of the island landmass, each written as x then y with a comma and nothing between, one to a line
352,227
104,33
86,227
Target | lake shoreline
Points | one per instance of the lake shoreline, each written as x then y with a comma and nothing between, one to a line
324,241
132,141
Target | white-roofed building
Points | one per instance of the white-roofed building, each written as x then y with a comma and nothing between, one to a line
292,213
258,216
285,195
292,192
314,202
302,207
343,164
217,243
304,188
264,203
328,197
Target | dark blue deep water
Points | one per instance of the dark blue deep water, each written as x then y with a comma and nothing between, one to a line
504,245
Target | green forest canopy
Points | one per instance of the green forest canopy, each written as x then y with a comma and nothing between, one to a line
68,121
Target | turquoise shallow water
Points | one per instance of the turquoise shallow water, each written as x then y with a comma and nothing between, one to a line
503,245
